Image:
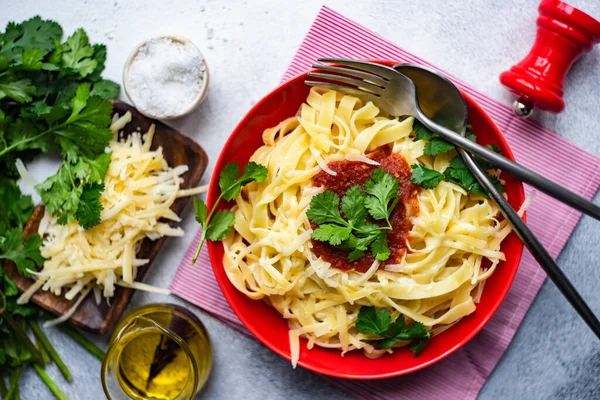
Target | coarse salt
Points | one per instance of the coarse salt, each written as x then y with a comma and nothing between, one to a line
165,77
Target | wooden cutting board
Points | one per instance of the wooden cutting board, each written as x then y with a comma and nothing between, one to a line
101,318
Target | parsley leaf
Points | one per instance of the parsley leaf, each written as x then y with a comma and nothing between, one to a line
469,133
18,90
332,233
382,187
89,207
77,54
105,89
324,208
380,248
200,210
437,145
421,131
231,185
379,323
353,205
218,227
425,177
372,322
24,253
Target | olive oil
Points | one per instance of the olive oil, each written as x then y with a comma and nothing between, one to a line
157,352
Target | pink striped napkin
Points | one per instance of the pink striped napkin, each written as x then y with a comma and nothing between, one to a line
462,375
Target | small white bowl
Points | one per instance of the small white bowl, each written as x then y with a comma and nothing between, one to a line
197,100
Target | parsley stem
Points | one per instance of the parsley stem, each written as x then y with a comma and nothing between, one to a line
43,352
14,383
41,336
20,333
3,388
83,341
205,227
24,141
50,383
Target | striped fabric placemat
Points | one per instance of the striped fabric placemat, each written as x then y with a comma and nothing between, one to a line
462,375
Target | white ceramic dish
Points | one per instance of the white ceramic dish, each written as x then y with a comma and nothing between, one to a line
197,100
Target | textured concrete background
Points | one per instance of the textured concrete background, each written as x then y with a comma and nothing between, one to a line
248,45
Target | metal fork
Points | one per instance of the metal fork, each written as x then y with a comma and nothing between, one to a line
396,94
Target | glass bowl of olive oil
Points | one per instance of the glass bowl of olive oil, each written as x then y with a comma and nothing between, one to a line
159,351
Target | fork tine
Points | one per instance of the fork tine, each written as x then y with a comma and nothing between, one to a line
350,81
373,68
345,89
376,79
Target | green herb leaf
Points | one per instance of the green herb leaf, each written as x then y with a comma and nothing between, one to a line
200,210
469,133
24,253
380,248
231,185
106,89
425,177
417,345
18,90
372,322
90,208
437,145
325,208
31,59
77,54
220,225
390,333
355,255
353,205
382,187
332,233
421,131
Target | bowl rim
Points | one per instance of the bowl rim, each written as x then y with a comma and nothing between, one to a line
216,264
200,97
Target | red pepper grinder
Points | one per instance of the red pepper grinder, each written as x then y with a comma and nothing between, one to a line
564,33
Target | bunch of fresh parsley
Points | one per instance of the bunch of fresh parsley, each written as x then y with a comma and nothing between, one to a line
52,100
386,334
457,172
215,228
357,231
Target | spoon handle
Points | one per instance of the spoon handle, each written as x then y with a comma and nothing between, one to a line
526,175
536,248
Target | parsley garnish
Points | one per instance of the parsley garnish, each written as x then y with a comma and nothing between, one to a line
218,227
425,177
379,323
457,172
437,145
353,231
421,131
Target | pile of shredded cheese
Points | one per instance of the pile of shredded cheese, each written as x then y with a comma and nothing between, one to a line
140,188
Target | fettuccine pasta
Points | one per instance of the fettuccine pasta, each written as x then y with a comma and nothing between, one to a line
270,253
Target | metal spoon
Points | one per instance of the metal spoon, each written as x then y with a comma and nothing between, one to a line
442,102
395,93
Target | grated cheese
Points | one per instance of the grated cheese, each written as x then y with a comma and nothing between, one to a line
140,188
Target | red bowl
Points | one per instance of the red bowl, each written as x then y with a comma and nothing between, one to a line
272,329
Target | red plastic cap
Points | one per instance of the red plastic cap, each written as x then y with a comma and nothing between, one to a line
564,33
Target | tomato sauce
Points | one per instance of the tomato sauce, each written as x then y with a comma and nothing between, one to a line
357,173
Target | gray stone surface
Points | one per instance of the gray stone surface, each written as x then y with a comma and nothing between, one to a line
248,45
